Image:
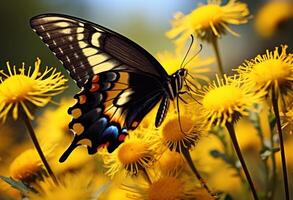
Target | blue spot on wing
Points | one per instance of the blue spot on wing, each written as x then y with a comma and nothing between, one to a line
111,131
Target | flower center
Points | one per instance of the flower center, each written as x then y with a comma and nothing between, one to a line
131,152
16,88
167,188
270,70
222,98
207,14
171,130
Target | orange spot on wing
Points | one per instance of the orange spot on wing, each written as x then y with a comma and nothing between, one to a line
76,113
78,128
82,99
95,87
95,79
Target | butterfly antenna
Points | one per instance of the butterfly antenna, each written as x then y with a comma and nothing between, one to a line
192,40
200,49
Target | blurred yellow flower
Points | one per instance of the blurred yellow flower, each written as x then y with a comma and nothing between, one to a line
73,186
27,167
114,192
171,162
168,188
208,21
202,154
226,180
76,161
198,67
225,100
136,153
273,70
53,124
20,90
271,16
247,136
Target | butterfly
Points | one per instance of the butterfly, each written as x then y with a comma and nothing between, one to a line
120,81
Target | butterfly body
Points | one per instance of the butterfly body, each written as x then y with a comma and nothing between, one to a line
120,81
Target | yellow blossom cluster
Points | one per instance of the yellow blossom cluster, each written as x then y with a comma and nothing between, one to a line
224,135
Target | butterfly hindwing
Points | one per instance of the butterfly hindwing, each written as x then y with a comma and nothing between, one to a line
110,103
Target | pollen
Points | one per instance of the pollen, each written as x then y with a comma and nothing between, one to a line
172,132
136,153
222,98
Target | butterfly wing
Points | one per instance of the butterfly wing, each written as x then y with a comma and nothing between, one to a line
86,48
121,82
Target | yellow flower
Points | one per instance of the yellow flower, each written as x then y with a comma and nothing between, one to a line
21,90
171,162
170,134
271,17
225,100
271,70
171,61
168,188
27,166
134,154
74,186
208,21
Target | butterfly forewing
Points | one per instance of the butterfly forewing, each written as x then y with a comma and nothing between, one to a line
86,48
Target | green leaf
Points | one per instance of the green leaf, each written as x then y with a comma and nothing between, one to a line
16,184
217,154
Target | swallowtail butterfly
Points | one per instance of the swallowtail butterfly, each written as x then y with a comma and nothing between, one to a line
120,81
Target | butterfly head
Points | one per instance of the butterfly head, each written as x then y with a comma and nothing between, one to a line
182,73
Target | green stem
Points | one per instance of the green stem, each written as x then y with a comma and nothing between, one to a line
188,159
265,161
217,52
274,170
231,131
38,148
279,127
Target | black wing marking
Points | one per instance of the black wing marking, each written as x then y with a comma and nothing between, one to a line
109,104
86,48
